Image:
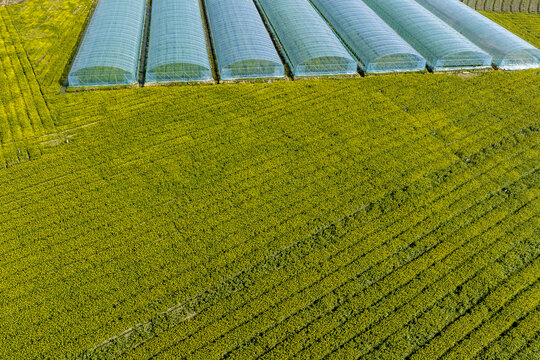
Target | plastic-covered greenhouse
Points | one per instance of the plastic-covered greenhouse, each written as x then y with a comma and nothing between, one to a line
442,47
508,50
242,44
376,45
110,50
309,44
177,50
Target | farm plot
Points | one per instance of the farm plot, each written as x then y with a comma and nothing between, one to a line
49,31
24,114
230,209
274,220
301,284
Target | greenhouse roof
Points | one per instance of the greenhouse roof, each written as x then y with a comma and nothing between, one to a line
442,47
508,50
316,37
177,50
375,44
110,50
310,45
242,44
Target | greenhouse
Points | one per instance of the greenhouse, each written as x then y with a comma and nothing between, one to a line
177,50
110,50
442,47
310,46
377,47
242,44
508,50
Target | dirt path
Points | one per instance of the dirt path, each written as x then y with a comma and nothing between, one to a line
10,2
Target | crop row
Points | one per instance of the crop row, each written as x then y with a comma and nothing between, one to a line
90,190
48,188
358,310
513,339
397,344
197,336
345,164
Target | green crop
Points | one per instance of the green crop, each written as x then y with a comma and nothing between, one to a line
385,217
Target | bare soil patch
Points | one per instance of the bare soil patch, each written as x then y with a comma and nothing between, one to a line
11,2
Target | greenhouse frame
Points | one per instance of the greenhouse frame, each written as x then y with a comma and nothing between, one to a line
309,44
376,46
110,51
442,46
509,51
243,46
177,50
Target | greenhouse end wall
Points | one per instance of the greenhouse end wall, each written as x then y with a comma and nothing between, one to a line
442,47
317,37
508,50
110,51
243,47
177,48
309,45
376,46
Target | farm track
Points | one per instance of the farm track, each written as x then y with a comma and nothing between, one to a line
266,220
